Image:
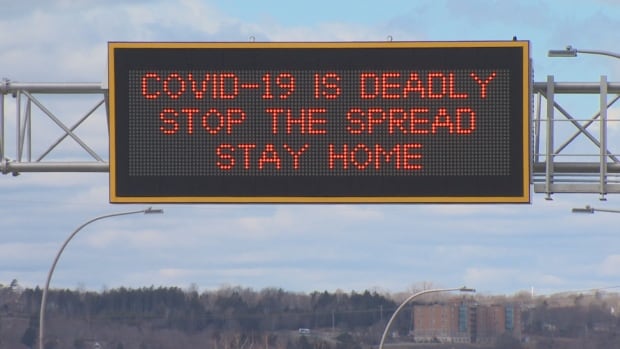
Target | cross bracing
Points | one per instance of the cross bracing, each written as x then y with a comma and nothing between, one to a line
573,143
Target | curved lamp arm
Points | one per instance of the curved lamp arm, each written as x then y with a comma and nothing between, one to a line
62,248
389,323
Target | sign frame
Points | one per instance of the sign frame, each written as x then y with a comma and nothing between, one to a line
518,193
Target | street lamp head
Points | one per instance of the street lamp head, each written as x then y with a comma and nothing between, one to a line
586,209
151,210
467,289
569,51
572,52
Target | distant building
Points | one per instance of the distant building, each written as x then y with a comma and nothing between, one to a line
494,320
439,323
465,322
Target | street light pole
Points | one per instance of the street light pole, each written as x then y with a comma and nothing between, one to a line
62,248
572,52
389,323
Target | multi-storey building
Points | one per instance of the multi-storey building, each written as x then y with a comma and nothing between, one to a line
439,322
465,322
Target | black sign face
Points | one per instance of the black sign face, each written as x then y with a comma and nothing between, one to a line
319,122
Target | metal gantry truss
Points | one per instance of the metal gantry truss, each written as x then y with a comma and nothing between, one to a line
570,153
29,110
573,153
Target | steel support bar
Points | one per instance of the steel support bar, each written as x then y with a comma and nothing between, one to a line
603,137
577,87
2,155
550,92
11,87
576,167
575,188
538,167
17,167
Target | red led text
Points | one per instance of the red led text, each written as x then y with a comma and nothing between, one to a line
248,156
307,121
212,121
221,85
362,156
342,121
411,121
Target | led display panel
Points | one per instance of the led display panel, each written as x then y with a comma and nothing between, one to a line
368,122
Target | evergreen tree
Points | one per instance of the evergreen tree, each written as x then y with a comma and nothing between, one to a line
29,337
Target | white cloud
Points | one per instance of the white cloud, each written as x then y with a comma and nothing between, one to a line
489,278
49,180
139,240
97,192
610,266
287,221
281,220
59,42
475,252
323,32
19,253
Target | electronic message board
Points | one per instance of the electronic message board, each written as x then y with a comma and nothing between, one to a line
326,122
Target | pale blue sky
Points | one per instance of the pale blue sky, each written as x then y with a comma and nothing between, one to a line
494,248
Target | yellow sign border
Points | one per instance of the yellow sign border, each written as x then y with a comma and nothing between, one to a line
526,82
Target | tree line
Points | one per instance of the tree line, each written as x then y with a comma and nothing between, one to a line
232,308
237,317
188,312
